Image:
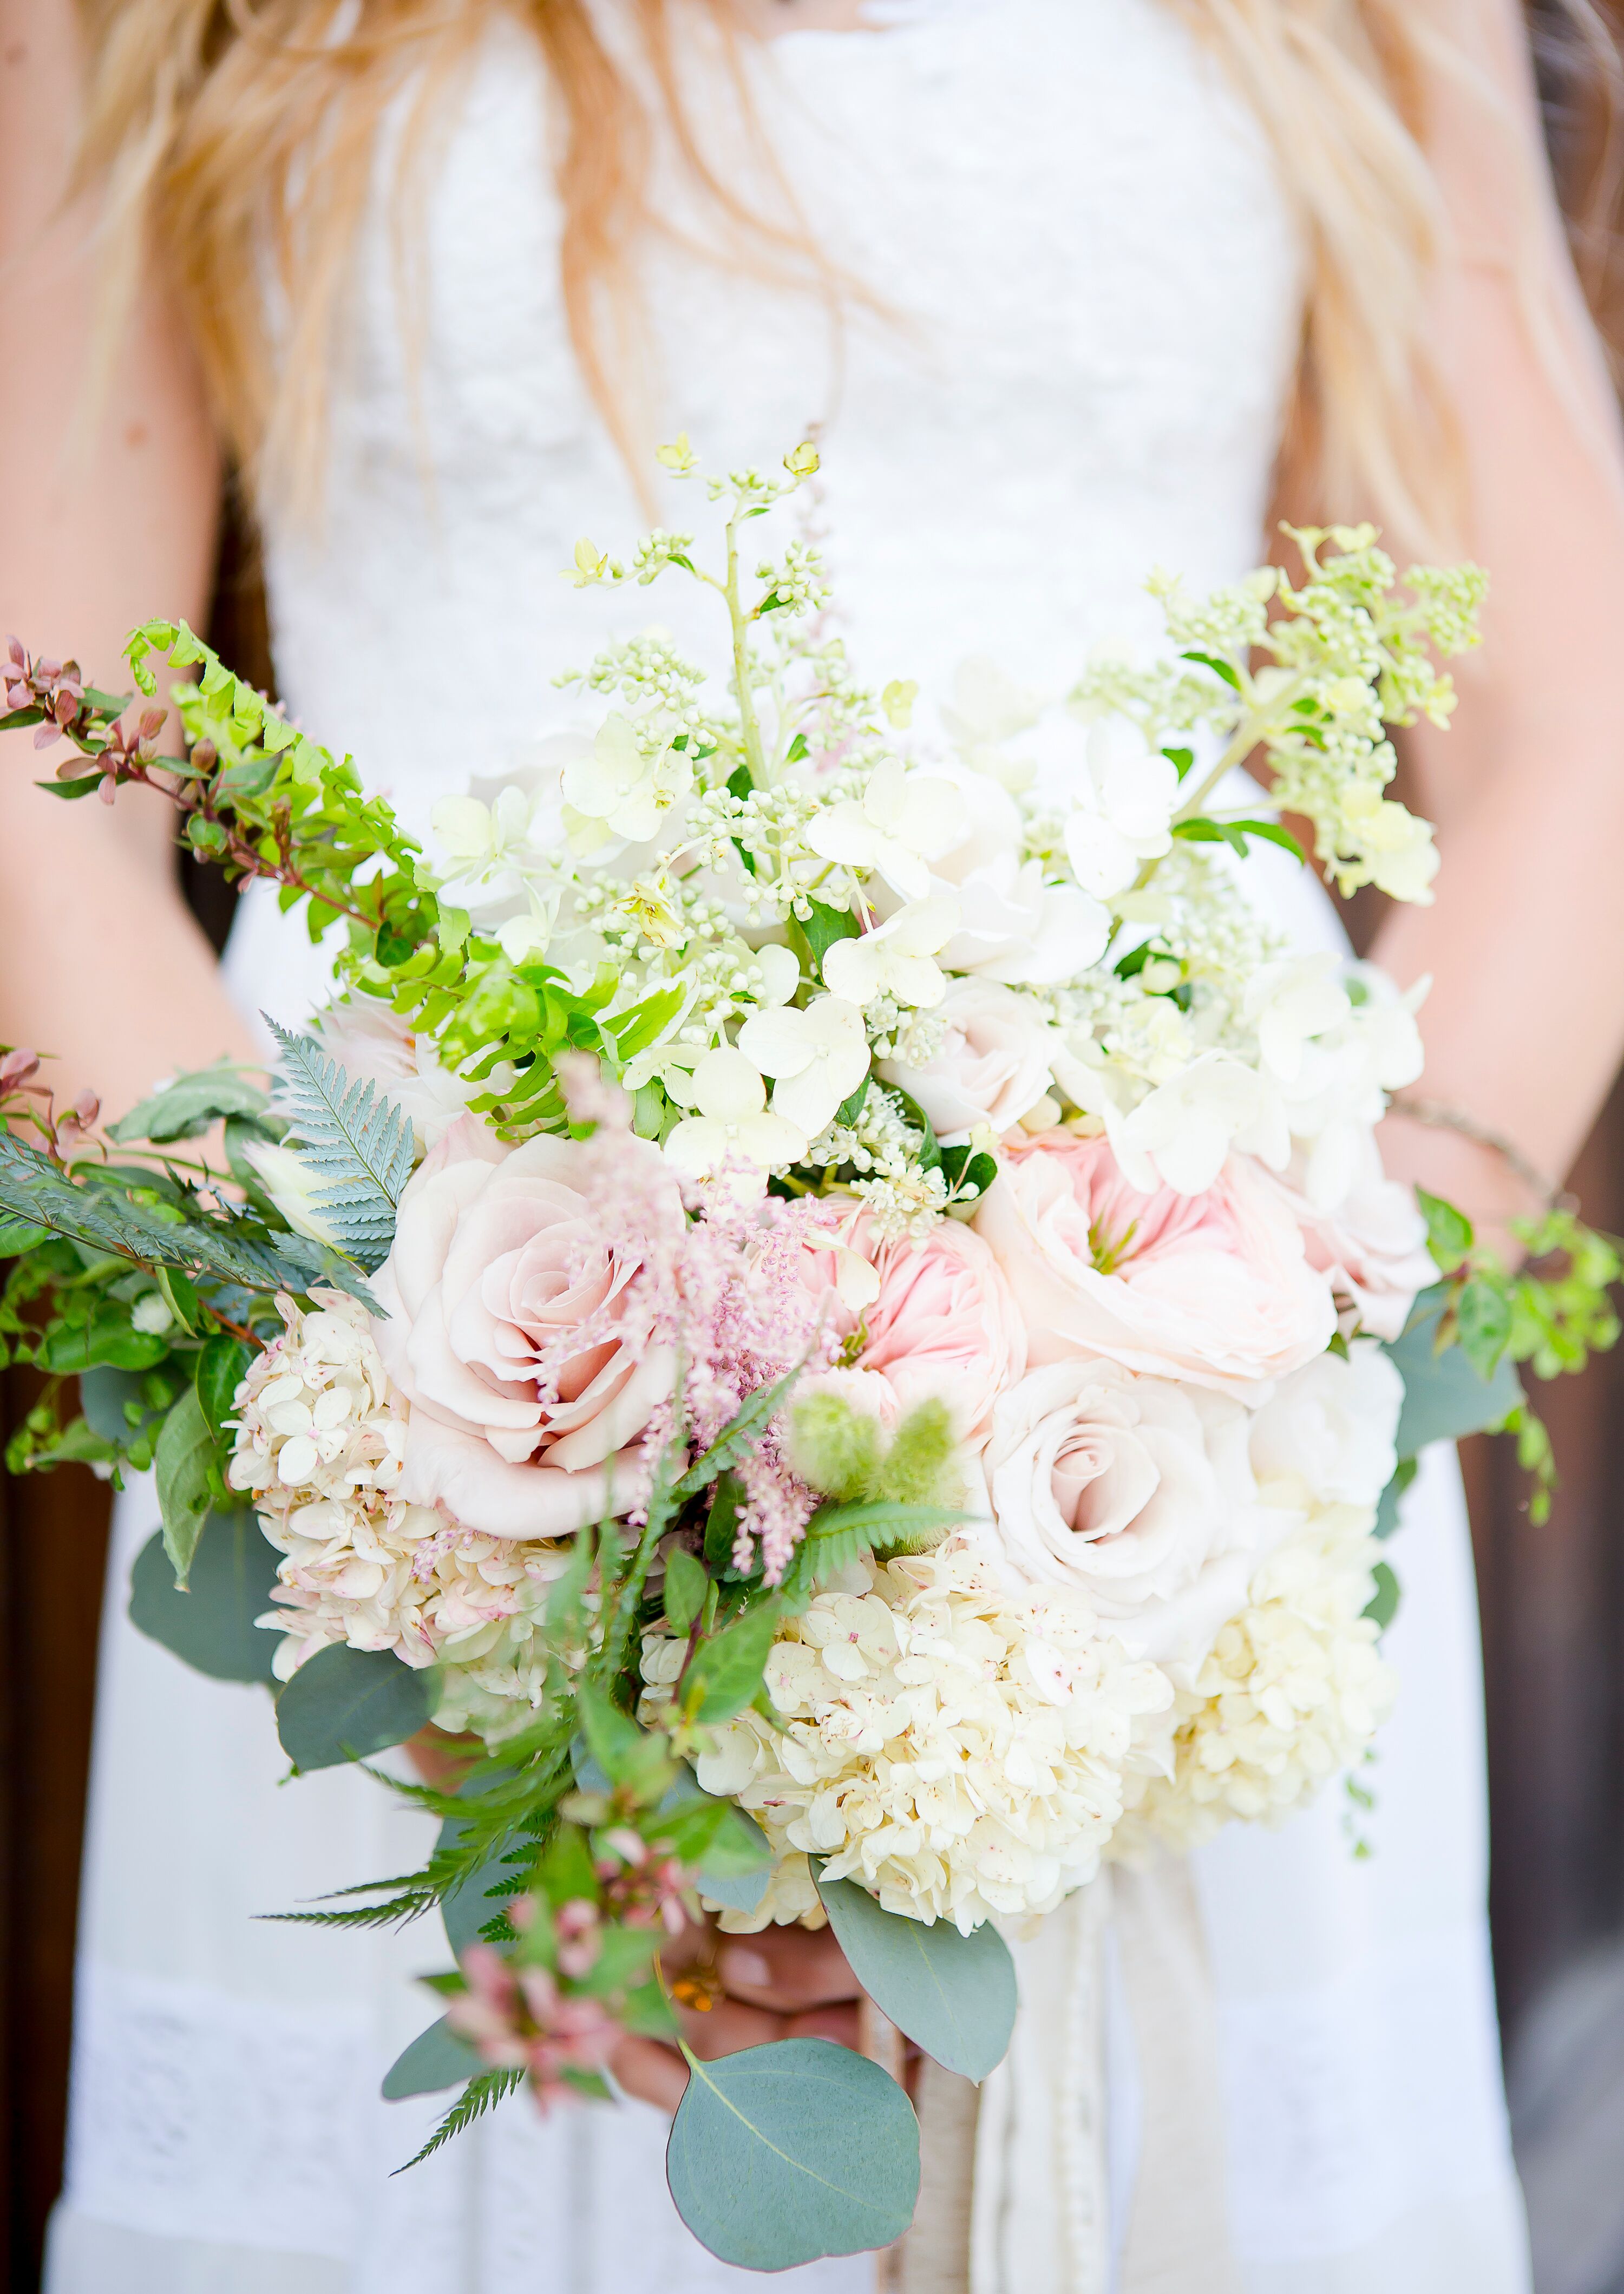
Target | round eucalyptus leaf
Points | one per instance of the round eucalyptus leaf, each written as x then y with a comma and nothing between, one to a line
436,2058
953,1995
345,1704
788,2153
211,1628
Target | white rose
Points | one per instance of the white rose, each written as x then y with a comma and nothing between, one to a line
993,1066
1327,1437
1133,1490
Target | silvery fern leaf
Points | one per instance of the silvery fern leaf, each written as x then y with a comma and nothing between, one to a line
356,1142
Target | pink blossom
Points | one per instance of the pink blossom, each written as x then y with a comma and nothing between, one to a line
526,1326
1213,1288
1371,1247
517,2019
945,1325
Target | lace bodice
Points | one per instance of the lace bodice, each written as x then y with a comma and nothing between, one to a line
1089,303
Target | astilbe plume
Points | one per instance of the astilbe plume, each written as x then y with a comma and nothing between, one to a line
723,1288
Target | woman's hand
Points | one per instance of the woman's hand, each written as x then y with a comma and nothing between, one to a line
785,1983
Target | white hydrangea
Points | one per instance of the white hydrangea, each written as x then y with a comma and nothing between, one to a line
320,1440
957,1747
1292,1692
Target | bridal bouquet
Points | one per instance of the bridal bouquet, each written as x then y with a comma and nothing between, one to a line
822,1298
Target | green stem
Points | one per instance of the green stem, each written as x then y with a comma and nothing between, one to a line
755,755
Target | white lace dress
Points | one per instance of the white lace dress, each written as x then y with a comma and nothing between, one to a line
1093,297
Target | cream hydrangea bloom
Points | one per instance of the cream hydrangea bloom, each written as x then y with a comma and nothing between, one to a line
320,1442
955,1746
1293,1690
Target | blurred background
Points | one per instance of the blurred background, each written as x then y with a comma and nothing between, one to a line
1551,1597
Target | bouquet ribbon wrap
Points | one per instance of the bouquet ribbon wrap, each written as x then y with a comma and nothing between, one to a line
1016,2175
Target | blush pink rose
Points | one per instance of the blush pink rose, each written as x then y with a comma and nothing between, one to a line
1213,1288
498,1260
944,1323
1371,1247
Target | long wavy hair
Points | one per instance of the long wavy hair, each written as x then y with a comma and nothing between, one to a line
229,135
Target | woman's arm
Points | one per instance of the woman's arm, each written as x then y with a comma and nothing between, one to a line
104,523
1524,1024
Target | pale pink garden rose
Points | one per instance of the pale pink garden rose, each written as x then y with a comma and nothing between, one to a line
1134,1491
994,1065
499,1259
1213,1288
943,1325
1371,1247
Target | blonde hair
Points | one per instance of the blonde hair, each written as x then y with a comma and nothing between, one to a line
221,129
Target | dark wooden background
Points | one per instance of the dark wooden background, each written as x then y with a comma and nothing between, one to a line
1552,1598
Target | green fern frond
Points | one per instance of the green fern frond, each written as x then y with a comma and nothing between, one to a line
480,2094
356,1142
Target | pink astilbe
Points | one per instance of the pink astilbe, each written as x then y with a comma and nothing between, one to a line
724,1288
517,2019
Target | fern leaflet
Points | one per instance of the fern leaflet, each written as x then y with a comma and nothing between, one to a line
356,1142
480,2094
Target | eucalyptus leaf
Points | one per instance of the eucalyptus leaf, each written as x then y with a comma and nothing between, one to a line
436,2058
344,1705
1383,1604
1444,1398
953,1995
103,1394
784,2153
211,1627
181,1459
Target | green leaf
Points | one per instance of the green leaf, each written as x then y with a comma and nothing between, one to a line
17,1235
182,1457
104,1394
81,784
357,1144
969,1172
725,1673
480,2094
108,1338
1449,1232
788,2153
687,1585
187,1107
721,1528
211,1627
884,1524
822,927
1384,1603
469,1906
1219,667
953,1995
436,2058
1482,1316
221,1366
344,1705
1445,1397
1387,1520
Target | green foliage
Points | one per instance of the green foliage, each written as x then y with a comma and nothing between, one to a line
357,1144
843,1452
345,1704
724,1673
480,2094
188,1107
953,1995
211,1626
687,1586
436,2058
186,1473
1384,1603
791,2152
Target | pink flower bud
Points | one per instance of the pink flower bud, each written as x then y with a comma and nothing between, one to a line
17,1068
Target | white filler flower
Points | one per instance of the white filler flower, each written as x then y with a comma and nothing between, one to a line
817,1057
898,958
899,825
1129,794
733,1127
618,792
956,1747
